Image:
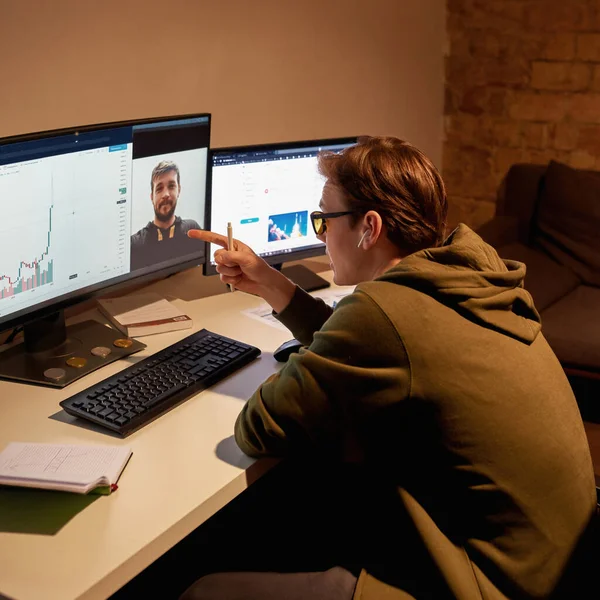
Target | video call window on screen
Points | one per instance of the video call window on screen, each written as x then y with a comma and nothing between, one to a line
267,192
83,210
169,173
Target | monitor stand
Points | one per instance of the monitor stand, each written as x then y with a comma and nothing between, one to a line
55,355
303,277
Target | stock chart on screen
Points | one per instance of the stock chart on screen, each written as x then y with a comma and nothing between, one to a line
64,225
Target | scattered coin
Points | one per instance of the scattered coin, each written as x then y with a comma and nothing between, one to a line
123,343
76,361
101,351
55,373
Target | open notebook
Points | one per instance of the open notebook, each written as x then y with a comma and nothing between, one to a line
69,468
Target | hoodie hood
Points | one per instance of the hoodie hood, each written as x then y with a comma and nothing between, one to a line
467,274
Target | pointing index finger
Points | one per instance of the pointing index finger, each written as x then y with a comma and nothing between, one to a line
208,236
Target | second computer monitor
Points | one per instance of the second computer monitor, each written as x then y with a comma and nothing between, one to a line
267,192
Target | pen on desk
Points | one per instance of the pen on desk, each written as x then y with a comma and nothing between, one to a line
230,245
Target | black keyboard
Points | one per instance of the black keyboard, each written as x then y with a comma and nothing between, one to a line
139,394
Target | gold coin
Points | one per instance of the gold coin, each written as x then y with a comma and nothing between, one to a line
101,351
76,361
123,343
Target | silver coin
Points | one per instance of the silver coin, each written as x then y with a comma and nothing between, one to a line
101,351
55,374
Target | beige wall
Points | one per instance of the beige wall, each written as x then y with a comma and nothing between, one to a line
267,70
523,85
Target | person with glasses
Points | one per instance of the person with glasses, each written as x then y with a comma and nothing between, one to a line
454,462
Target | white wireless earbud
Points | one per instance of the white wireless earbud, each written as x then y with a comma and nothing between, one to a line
361,239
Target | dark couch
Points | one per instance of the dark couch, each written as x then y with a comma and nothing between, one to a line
548,216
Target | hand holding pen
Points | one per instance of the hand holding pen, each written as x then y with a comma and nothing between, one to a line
243,270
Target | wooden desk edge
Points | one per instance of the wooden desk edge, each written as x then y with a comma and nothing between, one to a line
145,557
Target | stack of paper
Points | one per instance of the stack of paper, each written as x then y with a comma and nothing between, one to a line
144,314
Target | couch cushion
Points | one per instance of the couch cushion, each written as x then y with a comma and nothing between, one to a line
568,220
572,327
518,195
545,279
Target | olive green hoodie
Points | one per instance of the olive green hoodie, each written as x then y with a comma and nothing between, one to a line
437,375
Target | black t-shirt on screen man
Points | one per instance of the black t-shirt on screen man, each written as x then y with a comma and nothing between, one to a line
152,244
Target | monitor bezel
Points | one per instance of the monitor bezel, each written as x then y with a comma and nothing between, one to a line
277,259
30,314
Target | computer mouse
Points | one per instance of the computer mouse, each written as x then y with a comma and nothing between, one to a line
283,352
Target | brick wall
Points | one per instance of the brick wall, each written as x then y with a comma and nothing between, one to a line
522,85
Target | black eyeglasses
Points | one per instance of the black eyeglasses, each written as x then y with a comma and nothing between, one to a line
319,219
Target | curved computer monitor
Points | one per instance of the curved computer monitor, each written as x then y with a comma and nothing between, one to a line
267,192
88,210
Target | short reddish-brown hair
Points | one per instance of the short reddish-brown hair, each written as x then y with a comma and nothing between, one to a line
395,179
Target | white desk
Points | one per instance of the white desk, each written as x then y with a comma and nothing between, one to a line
185,465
